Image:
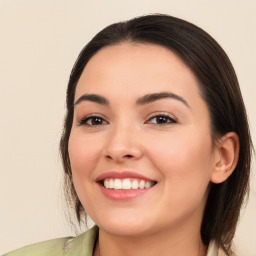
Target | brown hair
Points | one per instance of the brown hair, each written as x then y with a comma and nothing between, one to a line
219,88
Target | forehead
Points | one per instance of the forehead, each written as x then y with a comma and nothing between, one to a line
135,68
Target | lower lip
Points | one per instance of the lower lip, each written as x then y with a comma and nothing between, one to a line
122,195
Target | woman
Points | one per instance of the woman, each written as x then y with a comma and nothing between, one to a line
156,147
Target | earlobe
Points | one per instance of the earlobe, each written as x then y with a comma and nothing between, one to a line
227,151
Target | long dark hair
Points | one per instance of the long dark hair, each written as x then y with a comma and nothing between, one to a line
219,88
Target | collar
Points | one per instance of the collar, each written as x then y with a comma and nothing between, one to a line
212,249
84,244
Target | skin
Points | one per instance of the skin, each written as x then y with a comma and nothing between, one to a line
178,154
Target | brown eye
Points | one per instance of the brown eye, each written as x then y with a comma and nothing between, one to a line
92,120
161,119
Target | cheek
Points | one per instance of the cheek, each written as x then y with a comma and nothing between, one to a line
181,152
83,153
185,164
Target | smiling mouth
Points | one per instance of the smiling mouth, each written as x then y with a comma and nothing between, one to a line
127,184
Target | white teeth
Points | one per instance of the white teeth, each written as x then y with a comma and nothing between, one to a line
106,183
127,184
135,184
148,184
111,183
142,184
117,184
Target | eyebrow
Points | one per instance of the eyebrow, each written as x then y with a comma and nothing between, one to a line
146,99
93,98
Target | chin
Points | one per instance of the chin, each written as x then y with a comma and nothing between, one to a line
124,226
124,230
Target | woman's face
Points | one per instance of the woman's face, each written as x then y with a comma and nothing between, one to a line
141,128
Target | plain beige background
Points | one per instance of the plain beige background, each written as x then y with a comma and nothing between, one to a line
39,42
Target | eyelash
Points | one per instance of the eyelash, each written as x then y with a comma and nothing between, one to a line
168,120
84,120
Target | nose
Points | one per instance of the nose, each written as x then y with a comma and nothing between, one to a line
123,144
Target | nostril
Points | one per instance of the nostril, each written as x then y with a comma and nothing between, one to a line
122,157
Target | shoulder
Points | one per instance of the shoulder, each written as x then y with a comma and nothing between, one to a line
80,245
46,248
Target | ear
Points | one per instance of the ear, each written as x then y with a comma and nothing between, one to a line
227,153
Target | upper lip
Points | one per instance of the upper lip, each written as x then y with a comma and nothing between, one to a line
121,175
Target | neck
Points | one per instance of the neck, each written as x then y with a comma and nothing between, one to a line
169,242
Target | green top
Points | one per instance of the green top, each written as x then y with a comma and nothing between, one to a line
82,245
